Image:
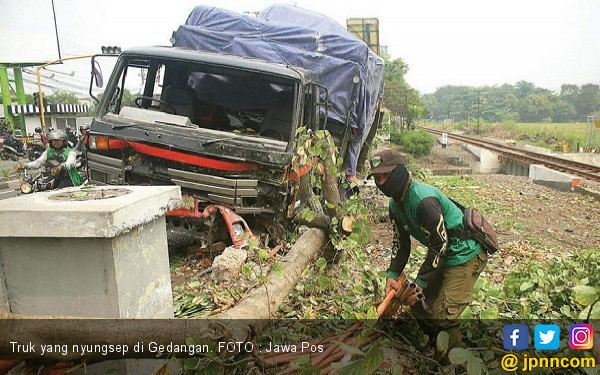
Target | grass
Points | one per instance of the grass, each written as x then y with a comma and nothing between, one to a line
537,134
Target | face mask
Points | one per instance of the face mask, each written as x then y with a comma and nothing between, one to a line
395,185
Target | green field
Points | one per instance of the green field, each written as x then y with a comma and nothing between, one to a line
549,135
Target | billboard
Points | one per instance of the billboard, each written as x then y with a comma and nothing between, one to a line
27,32
367,30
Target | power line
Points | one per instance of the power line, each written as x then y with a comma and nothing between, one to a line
61,86
81,47
79,80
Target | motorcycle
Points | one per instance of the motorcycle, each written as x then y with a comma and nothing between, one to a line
34,151
43,180
13,149
32,183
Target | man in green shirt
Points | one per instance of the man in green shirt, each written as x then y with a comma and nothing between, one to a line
452,264
64,172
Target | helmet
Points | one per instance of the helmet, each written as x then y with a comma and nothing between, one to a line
38,130
59,135
68,128
84,127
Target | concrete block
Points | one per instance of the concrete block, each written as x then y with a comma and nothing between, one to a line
118,268
589,192
552,178
110,211
488,160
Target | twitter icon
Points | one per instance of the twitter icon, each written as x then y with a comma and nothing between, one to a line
547,337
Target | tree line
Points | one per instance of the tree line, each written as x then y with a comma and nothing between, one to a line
522,102
399,97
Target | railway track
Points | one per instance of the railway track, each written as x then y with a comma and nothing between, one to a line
509,152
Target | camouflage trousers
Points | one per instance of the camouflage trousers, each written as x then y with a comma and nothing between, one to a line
447,299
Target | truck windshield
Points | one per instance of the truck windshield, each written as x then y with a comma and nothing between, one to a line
211,97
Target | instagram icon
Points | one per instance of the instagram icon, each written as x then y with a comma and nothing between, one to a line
581,336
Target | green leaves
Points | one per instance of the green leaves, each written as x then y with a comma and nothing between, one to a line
490,313
308,215
213,368
585,295
365,366
263,254
372,314
458,356
441,342
350,349
526,286
473,364
558,288
373,359
277,269
321,263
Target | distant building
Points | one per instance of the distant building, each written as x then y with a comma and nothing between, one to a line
57,116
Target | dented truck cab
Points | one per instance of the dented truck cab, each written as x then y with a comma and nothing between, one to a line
222,127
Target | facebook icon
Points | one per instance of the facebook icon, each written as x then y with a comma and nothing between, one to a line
516,337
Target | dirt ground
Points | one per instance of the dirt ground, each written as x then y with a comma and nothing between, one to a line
533,221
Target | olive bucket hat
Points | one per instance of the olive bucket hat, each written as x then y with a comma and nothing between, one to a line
385,161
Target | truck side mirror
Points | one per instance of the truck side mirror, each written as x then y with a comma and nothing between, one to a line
97,74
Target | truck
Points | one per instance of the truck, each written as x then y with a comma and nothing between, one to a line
220,112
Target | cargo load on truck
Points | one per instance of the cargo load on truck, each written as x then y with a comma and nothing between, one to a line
343,64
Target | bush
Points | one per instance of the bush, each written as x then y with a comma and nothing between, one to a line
395,135
415,143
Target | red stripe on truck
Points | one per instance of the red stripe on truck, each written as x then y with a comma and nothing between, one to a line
192,159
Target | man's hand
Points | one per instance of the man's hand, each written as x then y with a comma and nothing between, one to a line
389,285
18,166
56,170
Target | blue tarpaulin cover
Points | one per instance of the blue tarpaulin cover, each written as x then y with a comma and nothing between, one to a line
352,73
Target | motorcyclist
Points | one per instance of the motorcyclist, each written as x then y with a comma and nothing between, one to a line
14,144
39,137
10,140
65,174
82,143
71,137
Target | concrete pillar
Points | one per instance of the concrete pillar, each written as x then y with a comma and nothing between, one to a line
548,177
95,252
488,160
20,90
6,97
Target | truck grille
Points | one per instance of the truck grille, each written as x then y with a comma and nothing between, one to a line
229,191
105,170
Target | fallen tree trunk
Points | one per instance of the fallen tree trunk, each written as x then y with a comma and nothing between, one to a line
239,324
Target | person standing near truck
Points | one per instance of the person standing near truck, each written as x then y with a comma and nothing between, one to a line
451,265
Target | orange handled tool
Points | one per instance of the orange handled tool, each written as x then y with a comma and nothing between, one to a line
388,306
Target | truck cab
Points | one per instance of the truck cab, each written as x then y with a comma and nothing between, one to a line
220,126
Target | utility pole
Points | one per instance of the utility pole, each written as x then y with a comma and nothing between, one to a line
478,110
406,109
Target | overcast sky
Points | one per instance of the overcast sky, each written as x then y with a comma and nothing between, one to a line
457,42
